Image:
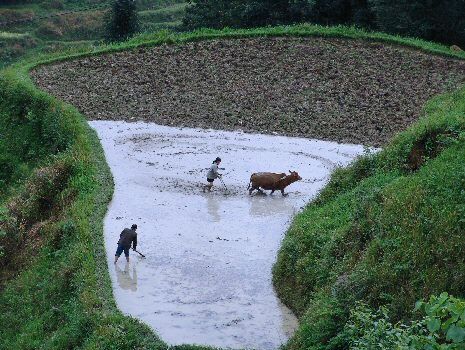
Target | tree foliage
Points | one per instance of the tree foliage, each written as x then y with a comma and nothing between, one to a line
243,13
429,19
122,20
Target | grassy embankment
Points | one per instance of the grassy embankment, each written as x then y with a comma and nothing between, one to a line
386,230
55,287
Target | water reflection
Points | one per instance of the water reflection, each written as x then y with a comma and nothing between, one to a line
124,278
213,207
266,205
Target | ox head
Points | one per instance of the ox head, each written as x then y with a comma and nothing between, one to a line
295,175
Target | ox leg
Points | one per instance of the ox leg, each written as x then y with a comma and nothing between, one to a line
282,192
272,191
251,190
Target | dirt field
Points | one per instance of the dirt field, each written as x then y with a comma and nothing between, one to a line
330,89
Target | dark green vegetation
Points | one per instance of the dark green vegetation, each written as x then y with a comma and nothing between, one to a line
122,20
442,21
386,231
442,327
28,28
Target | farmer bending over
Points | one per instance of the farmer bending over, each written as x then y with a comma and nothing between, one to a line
212,174
126,237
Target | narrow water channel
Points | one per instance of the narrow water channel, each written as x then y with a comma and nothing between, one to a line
206,278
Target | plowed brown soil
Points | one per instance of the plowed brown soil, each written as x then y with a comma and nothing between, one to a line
332,89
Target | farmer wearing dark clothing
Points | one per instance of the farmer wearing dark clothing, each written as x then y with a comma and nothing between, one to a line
126,237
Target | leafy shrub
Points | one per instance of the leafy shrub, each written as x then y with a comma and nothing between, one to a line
441,21
442,327
243,13
2,248
8,168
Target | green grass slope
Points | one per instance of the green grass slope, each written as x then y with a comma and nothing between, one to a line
55,291
388,230
169,17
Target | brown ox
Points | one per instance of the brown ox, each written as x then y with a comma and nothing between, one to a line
272,181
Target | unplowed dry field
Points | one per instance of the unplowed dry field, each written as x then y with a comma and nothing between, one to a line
331,89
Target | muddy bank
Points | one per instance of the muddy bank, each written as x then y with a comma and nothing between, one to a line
207,276
332,89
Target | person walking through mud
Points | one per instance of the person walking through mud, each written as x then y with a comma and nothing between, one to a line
213,174
126,237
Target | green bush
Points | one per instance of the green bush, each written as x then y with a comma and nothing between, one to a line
437,20
441,327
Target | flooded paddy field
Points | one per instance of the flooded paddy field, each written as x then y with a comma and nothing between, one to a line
206,278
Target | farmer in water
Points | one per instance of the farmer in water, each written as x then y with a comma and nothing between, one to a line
126,237
212,174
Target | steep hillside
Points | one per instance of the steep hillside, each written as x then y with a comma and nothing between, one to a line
55,290
387,231
28,28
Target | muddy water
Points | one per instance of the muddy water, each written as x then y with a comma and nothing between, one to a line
207,276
